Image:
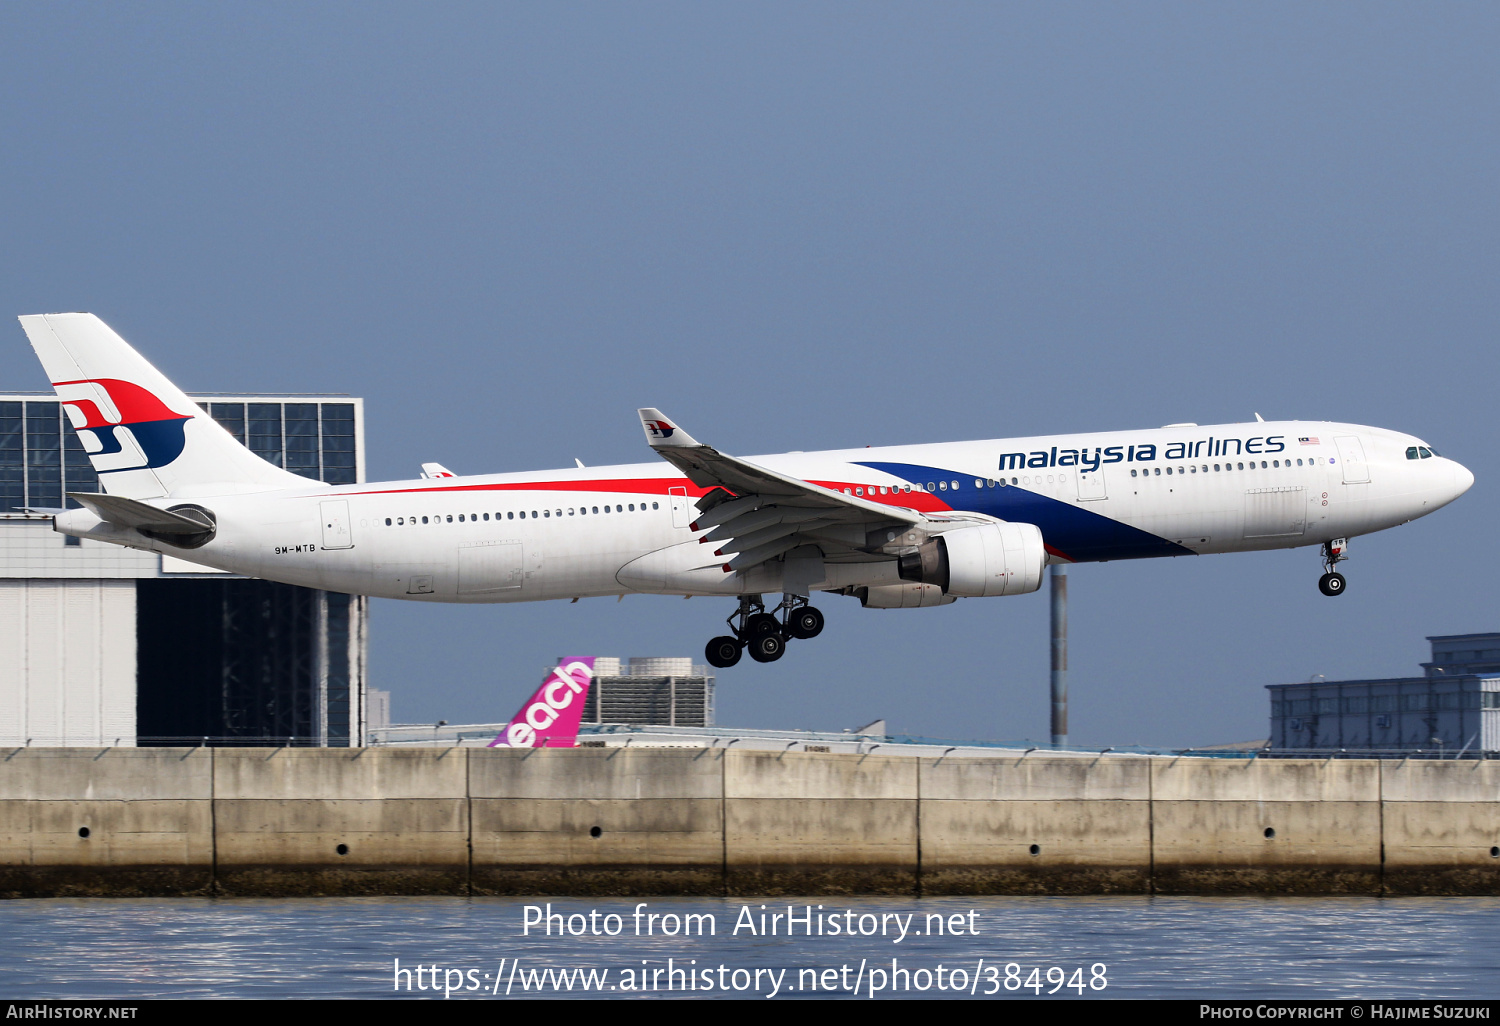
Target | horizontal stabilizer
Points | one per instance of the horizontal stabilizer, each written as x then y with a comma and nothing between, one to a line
125,512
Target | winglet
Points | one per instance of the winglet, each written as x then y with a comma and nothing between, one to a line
662,434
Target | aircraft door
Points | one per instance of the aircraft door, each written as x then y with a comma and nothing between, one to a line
681,517
336,533
1352,458
1091,485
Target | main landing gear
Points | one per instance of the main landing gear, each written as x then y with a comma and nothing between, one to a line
1334,553
761,633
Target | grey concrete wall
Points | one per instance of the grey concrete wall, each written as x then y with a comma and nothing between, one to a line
1027,825
624,821
1441,827
597,820
341,821
810,823
147,813
1253,825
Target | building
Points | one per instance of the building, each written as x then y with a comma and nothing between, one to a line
1453,709
660,690
102,645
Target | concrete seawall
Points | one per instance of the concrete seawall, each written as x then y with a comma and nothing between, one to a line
641,821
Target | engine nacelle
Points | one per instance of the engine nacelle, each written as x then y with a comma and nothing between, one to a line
980,561
903,596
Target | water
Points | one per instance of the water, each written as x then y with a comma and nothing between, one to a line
1150,947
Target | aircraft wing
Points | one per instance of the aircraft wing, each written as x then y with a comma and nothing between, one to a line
758,514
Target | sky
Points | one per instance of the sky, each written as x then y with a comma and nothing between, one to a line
809,226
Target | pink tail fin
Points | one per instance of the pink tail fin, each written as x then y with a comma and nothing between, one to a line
550,717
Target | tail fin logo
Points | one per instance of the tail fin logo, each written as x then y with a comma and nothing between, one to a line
158,430
550,717
659,428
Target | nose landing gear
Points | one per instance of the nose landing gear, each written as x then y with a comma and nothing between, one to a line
761,633
1334,553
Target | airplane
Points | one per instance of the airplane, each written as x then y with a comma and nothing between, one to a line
550,717
897,527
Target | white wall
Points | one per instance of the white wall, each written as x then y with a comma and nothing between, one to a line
67,662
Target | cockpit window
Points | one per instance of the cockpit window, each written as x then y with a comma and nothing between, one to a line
1411,452
1426,452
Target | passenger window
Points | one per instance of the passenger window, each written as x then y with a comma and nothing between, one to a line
955,486
931,486
1262,464
558,513
1169,471
619,508
547,513
399,521
486,516
424,520
450,518
632,507
1158,471
1216,468
1132,473
655,505
1012,480
942,486
859,491
387,521
1193,470
1241,466
596,508
570,511
460,518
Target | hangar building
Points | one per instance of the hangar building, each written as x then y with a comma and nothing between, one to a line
1454,708
102,645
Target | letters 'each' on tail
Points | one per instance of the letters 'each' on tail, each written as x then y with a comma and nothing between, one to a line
550,717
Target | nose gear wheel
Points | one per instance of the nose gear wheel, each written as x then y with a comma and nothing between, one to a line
1334,552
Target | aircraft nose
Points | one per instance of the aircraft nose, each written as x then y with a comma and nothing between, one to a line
1463,479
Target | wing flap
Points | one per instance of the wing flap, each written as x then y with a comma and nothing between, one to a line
772,512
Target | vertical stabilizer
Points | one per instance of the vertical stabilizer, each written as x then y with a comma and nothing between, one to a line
145,438
550,717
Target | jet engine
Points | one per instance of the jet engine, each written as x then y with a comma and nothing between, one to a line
980,561
901,596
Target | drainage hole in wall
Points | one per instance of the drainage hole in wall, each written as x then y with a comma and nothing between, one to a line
1494,853
595,832
84,832
1035,849
342,849
1270,833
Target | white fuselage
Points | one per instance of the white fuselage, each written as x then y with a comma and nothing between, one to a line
615,530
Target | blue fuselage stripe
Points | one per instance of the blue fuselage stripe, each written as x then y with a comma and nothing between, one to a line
1073,531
